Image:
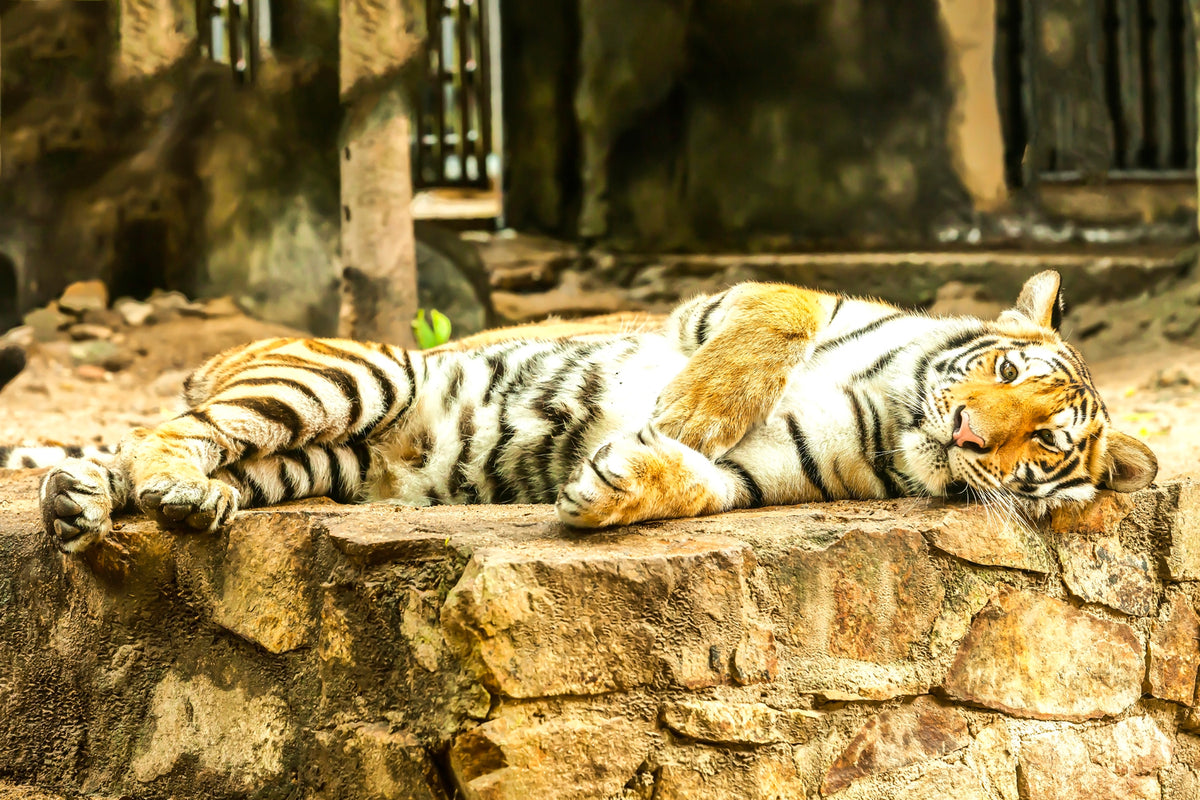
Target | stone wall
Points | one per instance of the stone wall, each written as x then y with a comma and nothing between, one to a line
851,650
771,125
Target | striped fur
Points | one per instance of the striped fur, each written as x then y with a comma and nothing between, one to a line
762,394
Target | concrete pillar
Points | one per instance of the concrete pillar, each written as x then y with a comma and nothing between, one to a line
975,139
378,38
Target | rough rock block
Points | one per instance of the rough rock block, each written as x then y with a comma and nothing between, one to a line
604,614
1112,762
722,722
708,773
974,534
1034,656
1174,655
917,731
859,612
1104,571
573,753
1182,517
262,587
369,761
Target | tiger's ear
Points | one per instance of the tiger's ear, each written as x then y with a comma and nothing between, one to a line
1040,301
1128,465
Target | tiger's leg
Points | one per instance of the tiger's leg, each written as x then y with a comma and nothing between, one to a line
248,404
649,476
742,344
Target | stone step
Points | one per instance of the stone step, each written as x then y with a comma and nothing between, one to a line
904,649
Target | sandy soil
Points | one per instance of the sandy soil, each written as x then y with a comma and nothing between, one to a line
1152,392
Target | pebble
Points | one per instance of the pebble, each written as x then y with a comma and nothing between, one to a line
84,331
92,372
135,313
46,322
84,296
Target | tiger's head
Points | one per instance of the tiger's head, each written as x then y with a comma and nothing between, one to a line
1009,412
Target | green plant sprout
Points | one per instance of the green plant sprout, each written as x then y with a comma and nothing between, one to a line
428,335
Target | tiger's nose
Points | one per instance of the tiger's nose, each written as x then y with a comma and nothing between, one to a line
964,435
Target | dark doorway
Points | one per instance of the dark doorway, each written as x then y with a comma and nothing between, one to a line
10,310
142,259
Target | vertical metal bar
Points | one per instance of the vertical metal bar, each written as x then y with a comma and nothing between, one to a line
1028,68
462,29
487,98
1130,79
437,11
234,35
1189,83
252,42
1160,19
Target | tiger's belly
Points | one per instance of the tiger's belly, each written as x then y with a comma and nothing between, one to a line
508,423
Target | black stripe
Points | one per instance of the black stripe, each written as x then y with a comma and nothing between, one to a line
73,451
453,388
1068,465
1070,483
811,470
747,480
337,477
383,383
466,433
271,410
498,366
256,497
836,308
304,459
702,322
300,387
291,489
877,366
362,452
27,462
825,347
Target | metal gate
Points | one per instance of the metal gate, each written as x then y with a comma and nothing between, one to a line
1097,89
454,127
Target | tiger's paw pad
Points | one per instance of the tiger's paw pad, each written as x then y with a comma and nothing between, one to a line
200,504
76,502
606,489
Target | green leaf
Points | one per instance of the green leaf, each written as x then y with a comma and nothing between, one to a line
427,336
441,326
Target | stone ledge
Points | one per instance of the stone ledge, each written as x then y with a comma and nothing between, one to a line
851,650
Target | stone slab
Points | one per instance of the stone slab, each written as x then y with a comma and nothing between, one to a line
1033,656
724,722
1174,651
1104,571
1112,762
982,536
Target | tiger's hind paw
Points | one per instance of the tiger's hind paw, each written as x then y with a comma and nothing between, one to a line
636,478
77,503
201,504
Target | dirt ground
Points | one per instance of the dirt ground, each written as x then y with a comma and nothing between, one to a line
1152,390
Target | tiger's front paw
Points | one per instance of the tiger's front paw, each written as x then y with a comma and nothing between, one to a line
636,478
710,415
198,503
76,501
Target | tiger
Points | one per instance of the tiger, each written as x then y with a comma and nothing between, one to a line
758,395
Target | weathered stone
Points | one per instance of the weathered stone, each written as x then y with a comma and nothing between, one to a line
719,721
1099,517
101,353
577,753
975,534
671,608
1033,656
994,753
134,312
372,762
957,781
224,730
1112,762
167,305
92,372
84,296
1183,560
369,542
859,611
756,658
46,322
82,332
918,731
260,587
707,773
1103,571
22,336
1174,651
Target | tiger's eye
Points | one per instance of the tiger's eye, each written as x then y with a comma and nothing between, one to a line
1045,437
1008,371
